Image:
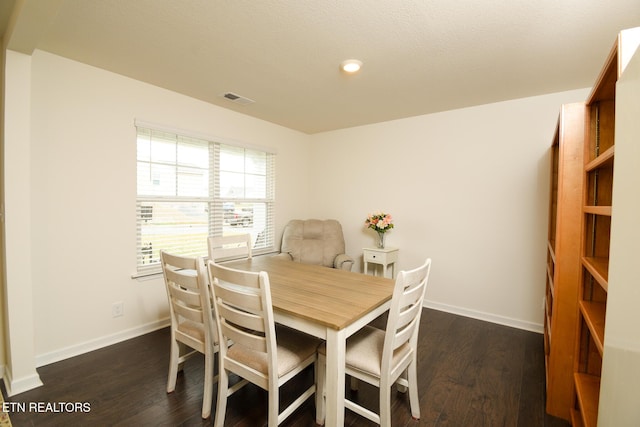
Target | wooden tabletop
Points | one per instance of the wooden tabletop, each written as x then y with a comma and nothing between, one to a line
331,297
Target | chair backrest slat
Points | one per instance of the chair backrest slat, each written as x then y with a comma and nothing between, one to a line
183,295
193,313
185,278
241,318
244,337
229,247
406,323
411,294
239,289
404,335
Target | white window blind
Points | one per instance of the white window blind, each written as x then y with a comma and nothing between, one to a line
190,188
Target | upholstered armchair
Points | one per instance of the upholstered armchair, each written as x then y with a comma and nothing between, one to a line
315,241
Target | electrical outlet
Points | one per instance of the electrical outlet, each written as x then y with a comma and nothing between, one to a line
117,309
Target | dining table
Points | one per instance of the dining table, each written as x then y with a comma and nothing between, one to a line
328,303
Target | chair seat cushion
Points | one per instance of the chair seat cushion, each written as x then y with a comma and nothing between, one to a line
193,329
293,348
364,351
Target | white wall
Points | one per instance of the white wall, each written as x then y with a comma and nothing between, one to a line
3,300
83,192
468,188
20,373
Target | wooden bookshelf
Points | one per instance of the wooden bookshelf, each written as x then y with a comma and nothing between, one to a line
579,234
599,161
587,390
563,257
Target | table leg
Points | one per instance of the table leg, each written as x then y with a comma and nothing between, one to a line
336,349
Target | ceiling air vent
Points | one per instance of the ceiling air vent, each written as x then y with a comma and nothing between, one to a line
237,98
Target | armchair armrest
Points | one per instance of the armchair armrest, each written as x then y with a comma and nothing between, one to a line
344,262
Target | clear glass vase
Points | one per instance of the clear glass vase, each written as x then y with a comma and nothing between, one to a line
380,240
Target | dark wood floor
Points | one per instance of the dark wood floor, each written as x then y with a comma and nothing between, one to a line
471,373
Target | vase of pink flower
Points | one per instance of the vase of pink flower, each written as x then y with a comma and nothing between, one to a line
380,222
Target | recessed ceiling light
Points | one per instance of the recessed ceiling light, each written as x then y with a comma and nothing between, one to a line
351,66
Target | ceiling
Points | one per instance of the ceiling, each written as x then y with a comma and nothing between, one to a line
420,56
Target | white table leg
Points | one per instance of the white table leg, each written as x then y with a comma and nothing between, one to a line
336,349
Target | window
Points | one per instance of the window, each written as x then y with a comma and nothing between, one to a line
190,188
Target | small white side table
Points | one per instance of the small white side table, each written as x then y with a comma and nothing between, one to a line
385,257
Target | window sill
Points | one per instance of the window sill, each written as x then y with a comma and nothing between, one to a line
153,274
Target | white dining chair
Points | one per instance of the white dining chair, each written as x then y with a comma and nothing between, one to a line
223,248
382,358
192,324
261,353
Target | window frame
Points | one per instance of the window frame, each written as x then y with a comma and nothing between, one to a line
264,240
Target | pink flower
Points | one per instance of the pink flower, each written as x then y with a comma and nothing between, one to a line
381,222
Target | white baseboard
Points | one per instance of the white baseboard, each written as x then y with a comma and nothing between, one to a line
480,315
20,385
95,344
